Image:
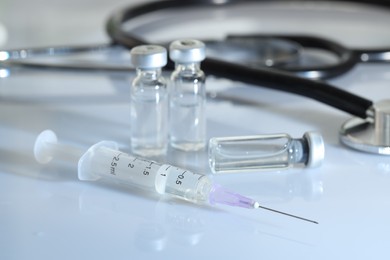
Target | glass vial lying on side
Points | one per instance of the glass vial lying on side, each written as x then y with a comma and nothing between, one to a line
149,102
265,152
187,96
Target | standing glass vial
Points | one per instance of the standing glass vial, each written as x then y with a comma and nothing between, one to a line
187,96
149,102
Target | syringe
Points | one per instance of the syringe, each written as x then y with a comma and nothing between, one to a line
104,161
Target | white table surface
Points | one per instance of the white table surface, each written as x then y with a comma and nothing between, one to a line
47,213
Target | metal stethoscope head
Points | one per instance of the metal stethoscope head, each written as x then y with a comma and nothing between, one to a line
369,131
372,134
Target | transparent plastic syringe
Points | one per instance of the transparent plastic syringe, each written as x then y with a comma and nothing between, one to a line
104,161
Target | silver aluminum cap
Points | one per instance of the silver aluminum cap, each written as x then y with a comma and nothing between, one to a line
148,56
316,148
187,51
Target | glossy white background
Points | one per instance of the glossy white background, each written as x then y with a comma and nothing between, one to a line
46,213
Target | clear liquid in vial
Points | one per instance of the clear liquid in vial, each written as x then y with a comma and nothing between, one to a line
187,122
149,118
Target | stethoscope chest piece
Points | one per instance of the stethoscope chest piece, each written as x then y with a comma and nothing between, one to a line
369,135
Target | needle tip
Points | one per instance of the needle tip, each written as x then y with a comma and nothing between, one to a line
257,205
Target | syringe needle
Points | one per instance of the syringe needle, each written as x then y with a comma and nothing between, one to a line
287,214
221,195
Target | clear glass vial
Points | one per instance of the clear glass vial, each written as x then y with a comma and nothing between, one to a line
265,152
149,102
187,122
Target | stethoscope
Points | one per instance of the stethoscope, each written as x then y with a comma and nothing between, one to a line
368,131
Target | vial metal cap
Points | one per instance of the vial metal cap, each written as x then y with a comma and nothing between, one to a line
148,56
316,149
187,51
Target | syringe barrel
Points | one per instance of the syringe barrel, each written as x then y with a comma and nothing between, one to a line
104,161
187,185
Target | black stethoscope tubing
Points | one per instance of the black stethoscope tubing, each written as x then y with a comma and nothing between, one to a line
266,77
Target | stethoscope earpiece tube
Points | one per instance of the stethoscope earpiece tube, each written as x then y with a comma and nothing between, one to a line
279,80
